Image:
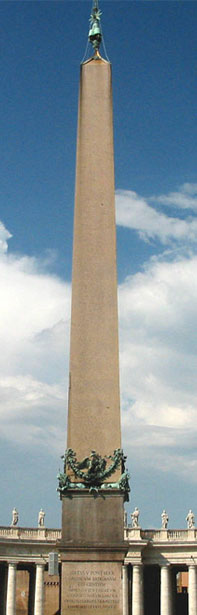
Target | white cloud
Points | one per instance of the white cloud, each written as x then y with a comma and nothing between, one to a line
135,212
158,343
185,197
4,236
34,334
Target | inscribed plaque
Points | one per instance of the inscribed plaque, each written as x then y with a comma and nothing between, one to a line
89,587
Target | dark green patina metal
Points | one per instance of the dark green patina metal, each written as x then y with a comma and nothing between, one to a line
95,33
96,472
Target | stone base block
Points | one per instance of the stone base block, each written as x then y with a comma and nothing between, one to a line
89,519
91,587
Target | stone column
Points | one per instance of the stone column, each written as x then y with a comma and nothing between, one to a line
137,590
11,590
125,593
166,591
39,590
192,590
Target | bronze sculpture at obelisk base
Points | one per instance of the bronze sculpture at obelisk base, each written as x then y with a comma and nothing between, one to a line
94,483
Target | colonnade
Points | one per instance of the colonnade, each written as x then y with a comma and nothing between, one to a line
166,590
11,589
136,599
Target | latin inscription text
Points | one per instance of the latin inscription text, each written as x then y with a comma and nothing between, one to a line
92,589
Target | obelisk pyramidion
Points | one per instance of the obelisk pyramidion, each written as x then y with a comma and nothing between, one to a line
94,483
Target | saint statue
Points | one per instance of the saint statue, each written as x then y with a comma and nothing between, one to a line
135,517
14,517
41,516
164,520
190,520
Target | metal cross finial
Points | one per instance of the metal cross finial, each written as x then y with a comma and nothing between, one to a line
95,34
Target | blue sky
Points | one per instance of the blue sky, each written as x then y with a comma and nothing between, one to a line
152,47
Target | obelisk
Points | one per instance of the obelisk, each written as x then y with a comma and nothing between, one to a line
94,399
94,482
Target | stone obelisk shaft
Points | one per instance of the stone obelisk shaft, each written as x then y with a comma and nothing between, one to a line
94,407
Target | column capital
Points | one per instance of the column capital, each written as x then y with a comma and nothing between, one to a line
137,564
165,565
11,563
134,562
40,563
